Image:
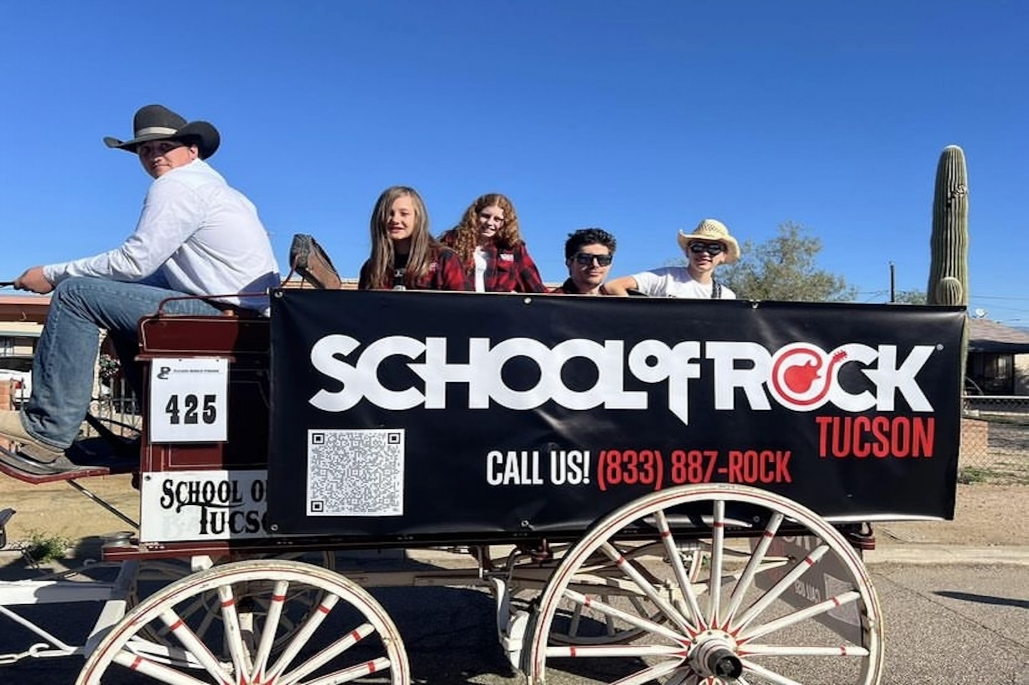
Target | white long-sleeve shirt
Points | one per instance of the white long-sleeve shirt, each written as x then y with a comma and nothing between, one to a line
197,233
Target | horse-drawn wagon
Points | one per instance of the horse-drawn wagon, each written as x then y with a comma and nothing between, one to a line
667,491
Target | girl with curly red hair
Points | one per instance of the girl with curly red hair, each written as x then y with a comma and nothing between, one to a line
491,247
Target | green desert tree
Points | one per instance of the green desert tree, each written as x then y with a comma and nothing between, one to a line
910,297
785,268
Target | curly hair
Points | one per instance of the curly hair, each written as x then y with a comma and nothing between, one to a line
381,261
464,237
589,236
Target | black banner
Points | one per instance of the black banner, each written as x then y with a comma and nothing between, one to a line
423,415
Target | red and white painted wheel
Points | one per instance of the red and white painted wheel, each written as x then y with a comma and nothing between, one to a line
156,574
348,638
784,599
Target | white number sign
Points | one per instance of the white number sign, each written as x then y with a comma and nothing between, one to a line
187,399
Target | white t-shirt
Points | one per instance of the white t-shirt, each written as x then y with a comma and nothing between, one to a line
479,257
675,281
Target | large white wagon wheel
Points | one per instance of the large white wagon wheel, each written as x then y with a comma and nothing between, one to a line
760,614
348,639
156,574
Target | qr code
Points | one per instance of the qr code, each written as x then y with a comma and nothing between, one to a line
355,472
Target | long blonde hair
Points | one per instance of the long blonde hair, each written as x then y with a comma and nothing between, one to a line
383,251
464,237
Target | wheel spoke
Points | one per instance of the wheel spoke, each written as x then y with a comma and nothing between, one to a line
770,676
798,616
684,677
155,670
717,550
792,650
682,578
617,651
648,589
348,675
161,653
326,655
649,674
271,623
209,615
573,625
303,635
187,612
757,557
233,632
188,639
799,569
631,619
605,583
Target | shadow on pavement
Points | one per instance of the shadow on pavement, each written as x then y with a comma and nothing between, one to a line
984,599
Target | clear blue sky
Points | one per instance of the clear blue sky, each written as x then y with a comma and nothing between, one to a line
639,117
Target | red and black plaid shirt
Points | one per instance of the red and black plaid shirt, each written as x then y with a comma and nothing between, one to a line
507,270
445,273
566,288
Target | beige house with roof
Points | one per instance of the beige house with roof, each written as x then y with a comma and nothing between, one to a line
998,359
21,320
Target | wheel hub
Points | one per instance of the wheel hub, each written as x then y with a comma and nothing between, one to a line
713,655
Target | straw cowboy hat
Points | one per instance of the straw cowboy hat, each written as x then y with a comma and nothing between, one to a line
156,122
712,230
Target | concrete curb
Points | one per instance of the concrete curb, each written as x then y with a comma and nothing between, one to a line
947,554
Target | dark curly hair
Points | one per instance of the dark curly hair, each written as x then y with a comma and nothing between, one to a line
588,236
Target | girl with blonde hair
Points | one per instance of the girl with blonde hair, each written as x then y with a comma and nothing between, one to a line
405,256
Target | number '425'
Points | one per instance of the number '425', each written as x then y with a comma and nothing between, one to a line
190,409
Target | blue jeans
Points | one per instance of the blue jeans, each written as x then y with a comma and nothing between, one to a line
65,364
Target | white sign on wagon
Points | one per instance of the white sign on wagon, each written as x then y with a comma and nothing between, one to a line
188,399
178,506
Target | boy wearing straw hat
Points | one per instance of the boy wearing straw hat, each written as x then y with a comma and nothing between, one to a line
706,247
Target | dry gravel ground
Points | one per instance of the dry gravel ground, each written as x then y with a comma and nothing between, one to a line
987,515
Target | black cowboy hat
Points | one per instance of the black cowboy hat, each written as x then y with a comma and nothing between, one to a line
156,122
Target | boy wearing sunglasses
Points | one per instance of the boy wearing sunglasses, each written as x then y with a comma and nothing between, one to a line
708,246
588,255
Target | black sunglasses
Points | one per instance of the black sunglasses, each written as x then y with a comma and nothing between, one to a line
711,248
587,259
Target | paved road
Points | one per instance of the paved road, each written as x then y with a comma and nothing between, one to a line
953,623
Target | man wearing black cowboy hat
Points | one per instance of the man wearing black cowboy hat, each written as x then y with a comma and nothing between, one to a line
196,236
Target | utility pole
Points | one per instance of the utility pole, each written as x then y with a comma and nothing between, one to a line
893,284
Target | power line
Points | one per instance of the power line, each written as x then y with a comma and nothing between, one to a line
1000,297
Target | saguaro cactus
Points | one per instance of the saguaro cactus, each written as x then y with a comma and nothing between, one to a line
948,268
949,242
